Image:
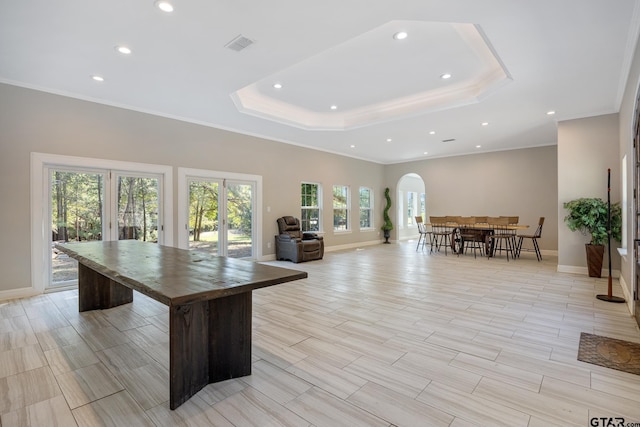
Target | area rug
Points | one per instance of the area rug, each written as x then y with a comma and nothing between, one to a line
610,353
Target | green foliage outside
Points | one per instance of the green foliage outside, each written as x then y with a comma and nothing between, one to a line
310,212
340,211
589,215
77,203
203,211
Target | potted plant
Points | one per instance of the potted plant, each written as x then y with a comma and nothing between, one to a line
589,215
388,225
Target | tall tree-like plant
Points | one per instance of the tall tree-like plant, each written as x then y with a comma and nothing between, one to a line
388,225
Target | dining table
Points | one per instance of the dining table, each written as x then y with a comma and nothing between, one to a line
485,229
209,299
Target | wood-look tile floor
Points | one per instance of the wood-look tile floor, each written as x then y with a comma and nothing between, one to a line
383,336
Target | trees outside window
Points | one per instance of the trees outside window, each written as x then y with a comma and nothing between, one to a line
340,208
310,204
366,207
137,208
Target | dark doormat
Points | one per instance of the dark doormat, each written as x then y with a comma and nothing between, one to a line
610,353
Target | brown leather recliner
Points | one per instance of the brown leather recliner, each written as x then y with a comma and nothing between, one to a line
294,245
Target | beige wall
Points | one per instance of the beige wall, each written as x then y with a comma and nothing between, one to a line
516,182
32,121
586,149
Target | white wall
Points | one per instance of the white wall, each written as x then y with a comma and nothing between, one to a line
627,131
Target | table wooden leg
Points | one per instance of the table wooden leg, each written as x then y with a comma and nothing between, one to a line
188,343
230,333
96,291
210,341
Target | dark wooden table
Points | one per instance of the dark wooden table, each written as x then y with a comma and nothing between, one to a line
209,301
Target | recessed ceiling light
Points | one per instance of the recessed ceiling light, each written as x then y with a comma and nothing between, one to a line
277,85
123,50
353,146
550,113
400,35
389,139
426,152
97,78
478,146
485,123
164,6
433,132
445,76
334,107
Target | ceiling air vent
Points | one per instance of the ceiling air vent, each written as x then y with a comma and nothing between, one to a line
449,140
239,43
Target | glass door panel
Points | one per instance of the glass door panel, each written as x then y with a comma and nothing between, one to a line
138,202
239,219
204,216
77,209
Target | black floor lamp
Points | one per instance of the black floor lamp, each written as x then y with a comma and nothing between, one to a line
609,297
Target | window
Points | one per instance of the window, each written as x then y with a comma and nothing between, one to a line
311,197
366,207
400,210
423,206
411,207
340,207
624,202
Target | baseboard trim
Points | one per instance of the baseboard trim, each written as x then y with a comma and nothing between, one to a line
18,293
627,295
352,246
584,271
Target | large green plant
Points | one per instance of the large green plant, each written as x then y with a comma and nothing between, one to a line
589,215
388,225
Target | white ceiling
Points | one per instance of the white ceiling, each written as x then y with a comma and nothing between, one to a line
511,61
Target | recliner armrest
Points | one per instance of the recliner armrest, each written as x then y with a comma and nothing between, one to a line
287,238
311,236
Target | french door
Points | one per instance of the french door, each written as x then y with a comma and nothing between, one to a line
221,217
219,212
77,214
91,205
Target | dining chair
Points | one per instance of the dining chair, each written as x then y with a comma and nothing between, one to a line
470,237
534,239
441,232
501,234
513,220
424,233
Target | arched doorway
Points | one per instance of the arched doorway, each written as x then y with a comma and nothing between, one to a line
412,202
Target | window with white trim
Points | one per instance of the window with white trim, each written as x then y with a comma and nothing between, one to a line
340,208
366,207
411,207
310,206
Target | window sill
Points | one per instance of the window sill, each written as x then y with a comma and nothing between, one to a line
342,231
